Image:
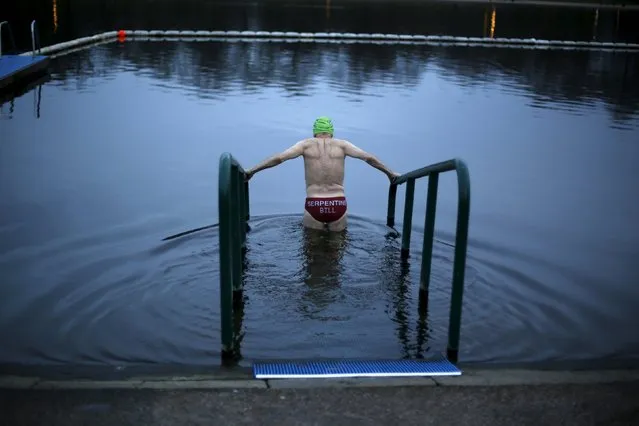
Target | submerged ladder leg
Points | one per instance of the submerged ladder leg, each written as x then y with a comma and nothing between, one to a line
408,218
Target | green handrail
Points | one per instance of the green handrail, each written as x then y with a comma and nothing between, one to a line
234,214
461,238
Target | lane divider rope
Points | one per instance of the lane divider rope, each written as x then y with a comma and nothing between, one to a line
334,37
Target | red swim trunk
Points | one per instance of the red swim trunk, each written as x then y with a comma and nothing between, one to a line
326,209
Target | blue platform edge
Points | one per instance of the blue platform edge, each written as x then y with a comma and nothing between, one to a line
12,64
354,368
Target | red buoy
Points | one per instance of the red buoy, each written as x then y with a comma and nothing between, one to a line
121,34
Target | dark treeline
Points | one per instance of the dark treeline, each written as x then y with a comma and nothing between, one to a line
62,20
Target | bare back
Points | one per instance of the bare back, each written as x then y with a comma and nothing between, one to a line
323,164
324,167
324,171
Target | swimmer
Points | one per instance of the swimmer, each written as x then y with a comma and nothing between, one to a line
325,205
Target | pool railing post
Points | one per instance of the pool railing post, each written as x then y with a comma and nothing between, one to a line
459,266
1,25
226,255
237,219
392,196
35,38
429,234
242,216
247,210
233,216
408,218
10,32
461,239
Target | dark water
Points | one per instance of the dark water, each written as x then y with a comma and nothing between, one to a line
120,148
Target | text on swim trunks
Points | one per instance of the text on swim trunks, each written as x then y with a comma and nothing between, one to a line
325,203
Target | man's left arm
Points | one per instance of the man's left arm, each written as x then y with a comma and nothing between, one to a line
293,152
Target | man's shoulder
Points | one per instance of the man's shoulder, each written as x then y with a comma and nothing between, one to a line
302,144
314,141
340,142
311,142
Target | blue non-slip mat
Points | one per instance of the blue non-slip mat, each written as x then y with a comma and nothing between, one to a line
354,368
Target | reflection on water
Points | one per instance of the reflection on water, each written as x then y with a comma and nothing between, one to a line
7,98
120,149
401,309
493,21
54,13
323,253
572,81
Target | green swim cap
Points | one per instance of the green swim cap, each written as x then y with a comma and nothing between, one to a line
323,125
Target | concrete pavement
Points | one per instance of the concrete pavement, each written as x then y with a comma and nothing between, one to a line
478,397
610,404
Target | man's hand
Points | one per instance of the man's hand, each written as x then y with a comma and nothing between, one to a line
392,176
248,174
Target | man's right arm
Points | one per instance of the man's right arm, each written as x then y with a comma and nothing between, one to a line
293,152
355,152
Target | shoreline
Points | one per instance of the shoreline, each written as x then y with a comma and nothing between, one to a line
243,378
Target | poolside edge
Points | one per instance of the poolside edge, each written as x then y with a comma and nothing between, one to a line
470,377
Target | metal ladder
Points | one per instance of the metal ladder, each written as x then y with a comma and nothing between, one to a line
35,37
461,235
13,42
233,202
